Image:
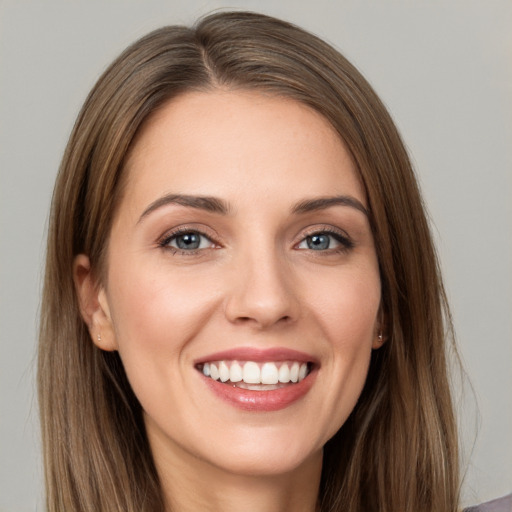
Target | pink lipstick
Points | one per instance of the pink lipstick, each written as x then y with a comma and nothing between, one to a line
259,379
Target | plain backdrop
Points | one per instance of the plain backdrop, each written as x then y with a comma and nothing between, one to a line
444,69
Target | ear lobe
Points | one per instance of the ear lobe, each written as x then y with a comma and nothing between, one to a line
379,340
381,331
93,303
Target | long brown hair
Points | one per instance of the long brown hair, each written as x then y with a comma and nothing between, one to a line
398,449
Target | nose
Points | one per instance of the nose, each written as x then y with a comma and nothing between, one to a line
261,293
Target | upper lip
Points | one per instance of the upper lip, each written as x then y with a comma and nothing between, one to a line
258,355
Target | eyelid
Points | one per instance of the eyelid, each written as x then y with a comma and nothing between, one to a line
164,240
341,235
323,228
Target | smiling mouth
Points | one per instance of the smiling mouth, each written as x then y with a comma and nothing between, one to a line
256,376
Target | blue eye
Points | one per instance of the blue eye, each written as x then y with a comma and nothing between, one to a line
188,241
319,242
324,241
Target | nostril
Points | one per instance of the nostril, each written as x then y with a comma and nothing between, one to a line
244,319
248,319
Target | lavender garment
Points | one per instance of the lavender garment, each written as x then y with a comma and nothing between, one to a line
499,505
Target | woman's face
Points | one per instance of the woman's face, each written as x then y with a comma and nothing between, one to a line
241,256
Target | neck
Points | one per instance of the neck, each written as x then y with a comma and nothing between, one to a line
191,485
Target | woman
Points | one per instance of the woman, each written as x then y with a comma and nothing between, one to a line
242,305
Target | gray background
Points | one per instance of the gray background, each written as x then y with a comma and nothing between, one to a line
443,68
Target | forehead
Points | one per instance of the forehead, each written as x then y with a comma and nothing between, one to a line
240,144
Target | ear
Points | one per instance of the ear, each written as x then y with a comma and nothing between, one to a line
381,330
93,303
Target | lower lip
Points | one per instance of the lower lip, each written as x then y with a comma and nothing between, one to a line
264,401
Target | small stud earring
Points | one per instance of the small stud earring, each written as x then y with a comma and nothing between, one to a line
380,336
99,338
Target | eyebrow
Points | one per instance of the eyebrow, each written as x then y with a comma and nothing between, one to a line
216,205
322,203
210,204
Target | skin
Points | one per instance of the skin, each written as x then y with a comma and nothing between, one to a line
254,282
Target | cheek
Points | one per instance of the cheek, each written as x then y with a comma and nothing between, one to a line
352,325
347,306
348,317
161,303
155,314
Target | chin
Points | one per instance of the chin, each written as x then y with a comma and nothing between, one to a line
263,451
262,462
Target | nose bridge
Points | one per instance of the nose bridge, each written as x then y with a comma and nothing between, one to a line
261,291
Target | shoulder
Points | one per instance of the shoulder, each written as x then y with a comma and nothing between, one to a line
499,505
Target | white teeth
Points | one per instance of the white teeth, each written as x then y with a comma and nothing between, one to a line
303,371
264,374
235,372
223,371
294,372
251,373
214,373
269,374
284,374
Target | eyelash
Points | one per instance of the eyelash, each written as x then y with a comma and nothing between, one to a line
342,238
169,237
346,244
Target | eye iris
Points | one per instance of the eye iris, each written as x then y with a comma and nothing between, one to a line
318,242
188,241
